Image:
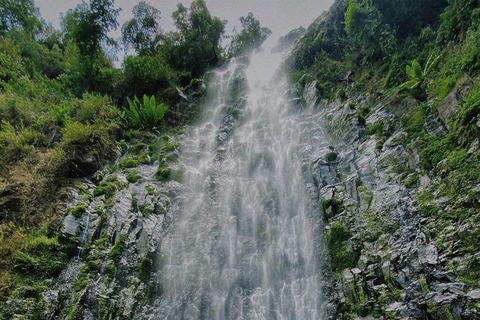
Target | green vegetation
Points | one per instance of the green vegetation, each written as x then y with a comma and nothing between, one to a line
342,255
163,172
118,248
132,176
331,207
78,211
418,76
108,187
144,268
249,38
64,107
144,116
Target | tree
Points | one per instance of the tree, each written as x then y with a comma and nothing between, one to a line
196,45
142,31
251,37
18,14
409,17
87,26
368,37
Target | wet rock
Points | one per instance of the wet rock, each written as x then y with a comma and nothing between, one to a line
363,262
449,106
70,225
310,95
428,255
474,294
434,126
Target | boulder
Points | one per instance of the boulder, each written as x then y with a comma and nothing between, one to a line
449,106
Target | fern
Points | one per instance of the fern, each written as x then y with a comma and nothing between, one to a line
143,116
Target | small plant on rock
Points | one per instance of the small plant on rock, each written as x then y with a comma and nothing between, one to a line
146,115
418,76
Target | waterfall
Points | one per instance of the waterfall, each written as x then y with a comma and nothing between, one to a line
246,240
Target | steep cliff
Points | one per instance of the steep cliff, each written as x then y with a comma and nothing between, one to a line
398,180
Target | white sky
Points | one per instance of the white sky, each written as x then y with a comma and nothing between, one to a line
280,16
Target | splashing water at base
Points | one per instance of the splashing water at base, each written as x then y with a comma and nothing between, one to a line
246,238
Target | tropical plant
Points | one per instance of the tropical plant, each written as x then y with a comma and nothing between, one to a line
143,116
251,37
142,31
417,75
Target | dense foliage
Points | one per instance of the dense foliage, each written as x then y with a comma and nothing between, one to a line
418,63
250,37
61,116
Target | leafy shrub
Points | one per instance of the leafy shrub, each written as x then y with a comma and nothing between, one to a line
418,76
16,142
143,116
77,133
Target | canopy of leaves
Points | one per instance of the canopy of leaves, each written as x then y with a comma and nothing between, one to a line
19,14
251,37
196,46
88,25
142,31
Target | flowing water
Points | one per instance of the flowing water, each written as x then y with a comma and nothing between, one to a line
246,240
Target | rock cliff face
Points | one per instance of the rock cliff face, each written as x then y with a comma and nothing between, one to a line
388,258
398,248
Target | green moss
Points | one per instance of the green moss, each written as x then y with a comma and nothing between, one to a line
128,163
101,243
133,162
41,256
137,148
341,254
471,274
110,269
134,203
78,211
150,190
132,176
118,248
376,129
423,284
426,204
144,268
412,181
163,172
145,210
169,147
81,282
335,206
108,187
172,157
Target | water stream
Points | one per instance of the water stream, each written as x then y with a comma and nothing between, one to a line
246,240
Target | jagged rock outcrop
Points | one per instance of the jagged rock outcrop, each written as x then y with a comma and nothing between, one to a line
397,271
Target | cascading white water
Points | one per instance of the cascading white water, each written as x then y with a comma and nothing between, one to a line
246,239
